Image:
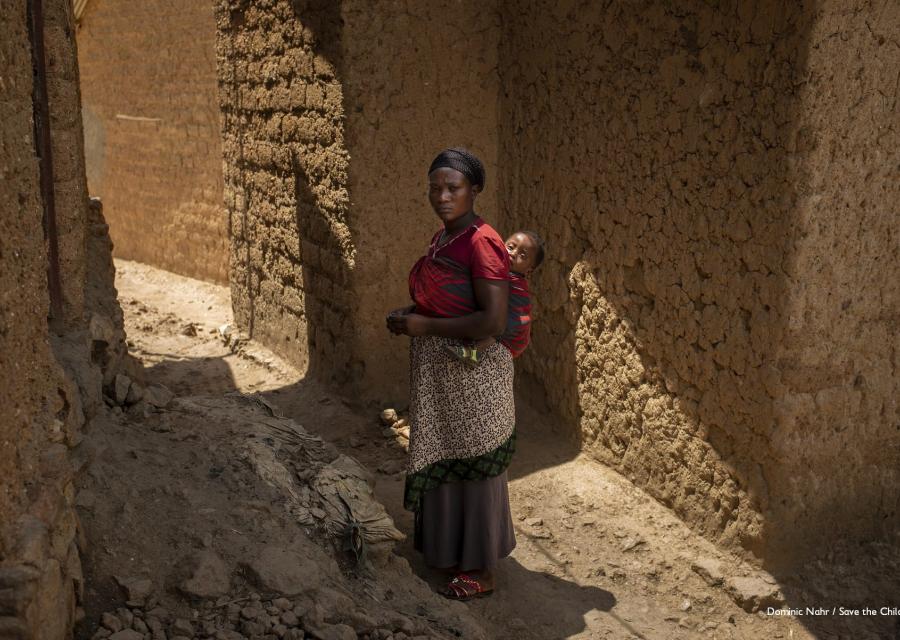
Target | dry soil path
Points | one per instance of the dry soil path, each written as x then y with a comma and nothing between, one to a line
596,557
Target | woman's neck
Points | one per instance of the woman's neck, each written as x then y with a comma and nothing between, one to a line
460,223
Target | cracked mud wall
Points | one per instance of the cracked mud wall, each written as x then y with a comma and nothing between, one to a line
416,80
40,572
152,125
69,192
26,350
52,368
664,197
668,156
835,445
679,163
286,180
322,245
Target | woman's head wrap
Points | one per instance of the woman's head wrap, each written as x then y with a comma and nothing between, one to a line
463,161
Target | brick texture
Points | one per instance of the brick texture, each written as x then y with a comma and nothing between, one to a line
152,132
45,405
713,183
677,159
286,184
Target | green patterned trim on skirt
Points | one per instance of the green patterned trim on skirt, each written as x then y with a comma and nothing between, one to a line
487,465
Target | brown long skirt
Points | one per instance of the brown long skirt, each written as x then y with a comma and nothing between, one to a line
466,525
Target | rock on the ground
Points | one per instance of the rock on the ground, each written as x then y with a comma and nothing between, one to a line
362,622
160,613
283,571
753,593
390,467
111,622
140,409
135,393
120,387
126,616
189,329
251,628
209,577
388,417
182,627
710,570
102,328
126,634
333,632
158,396
631,543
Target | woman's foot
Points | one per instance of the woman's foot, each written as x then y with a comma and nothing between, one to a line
465,586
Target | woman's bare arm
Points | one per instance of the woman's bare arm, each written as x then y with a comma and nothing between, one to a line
492,297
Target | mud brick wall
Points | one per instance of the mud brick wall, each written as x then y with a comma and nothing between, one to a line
702,242
152,131
321,247
44,404
686,165
25,356
286,181
402,108
834,454
70,194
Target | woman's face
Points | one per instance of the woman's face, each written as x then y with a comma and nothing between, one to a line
450,194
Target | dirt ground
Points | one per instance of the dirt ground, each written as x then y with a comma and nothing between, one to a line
165,487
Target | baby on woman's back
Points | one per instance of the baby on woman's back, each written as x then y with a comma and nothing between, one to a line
526,252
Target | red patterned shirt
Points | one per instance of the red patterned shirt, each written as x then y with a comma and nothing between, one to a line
440,283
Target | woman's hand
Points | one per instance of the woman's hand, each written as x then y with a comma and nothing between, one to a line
402,311
392,324
409,324
492,298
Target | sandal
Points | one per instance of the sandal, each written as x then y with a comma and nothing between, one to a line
464,587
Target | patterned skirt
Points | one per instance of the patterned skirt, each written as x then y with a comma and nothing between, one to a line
462,419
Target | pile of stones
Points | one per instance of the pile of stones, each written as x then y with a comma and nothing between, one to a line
127,394
249,618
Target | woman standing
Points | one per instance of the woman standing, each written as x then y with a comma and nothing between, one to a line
462,419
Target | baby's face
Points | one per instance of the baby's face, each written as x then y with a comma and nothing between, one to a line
522,253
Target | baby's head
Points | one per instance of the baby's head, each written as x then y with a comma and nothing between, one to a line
526,251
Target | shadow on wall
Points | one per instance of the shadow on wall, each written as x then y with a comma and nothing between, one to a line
671,158
323,19
328,298
286,174
672,195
